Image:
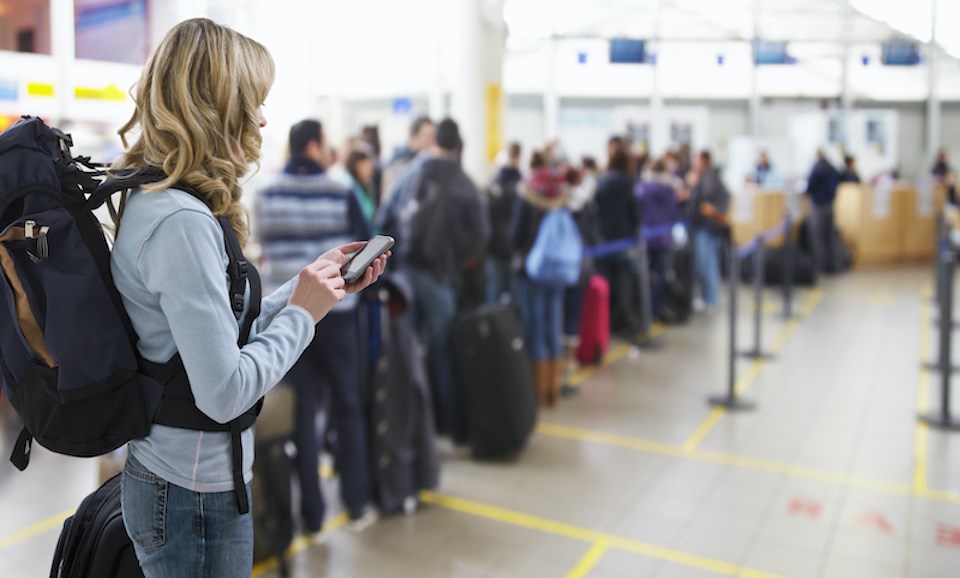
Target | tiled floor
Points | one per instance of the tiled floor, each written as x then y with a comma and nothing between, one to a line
830,477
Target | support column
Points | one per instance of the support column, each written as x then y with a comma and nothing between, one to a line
657,128
63,49
933,99
477,82
755,80
551,95
845,97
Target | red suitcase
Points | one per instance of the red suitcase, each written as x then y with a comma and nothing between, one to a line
595,322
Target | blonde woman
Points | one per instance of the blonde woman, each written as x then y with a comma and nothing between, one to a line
198,118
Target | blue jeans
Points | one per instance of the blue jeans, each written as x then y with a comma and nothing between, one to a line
330,367
707,253
541,311
434,307
499,280
178,533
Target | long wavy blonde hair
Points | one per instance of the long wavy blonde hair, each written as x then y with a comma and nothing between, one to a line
197,114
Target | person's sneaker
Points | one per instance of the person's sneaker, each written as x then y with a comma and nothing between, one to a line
367,519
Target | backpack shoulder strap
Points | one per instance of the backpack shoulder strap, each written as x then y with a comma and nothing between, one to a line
122,180
240,271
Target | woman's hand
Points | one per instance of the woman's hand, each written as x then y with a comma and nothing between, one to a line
319,288
371,275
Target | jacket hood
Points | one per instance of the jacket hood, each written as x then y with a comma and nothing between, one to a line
546,189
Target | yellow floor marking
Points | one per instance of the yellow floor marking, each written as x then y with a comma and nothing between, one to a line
617,353
882,298
586,535
743,462
52,523
746,380
299,545
922,436
589,560
703,429
646,446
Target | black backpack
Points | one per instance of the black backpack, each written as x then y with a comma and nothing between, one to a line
94,541
68,356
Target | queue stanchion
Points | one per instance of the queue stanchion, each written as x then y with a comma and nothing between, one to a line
730,400
788,258
646,339
940,292
758,279
943,419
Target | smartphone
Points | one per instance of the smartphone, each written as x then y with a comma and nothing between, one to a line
357,265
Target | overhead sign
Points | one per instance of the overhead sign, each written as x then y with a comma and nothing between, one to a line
402,106
111,92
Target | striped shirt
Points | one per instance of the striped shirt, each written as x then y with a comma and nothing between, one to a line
300,216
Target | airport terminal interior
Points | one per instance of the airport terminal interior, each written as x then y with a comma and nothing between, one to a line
748,369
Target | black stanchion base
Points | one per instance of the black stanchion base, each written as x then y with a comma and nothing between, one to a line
756,355
730,402
935,366
938,421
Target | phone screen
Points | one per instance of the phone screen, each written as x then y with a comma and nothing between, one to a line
358,264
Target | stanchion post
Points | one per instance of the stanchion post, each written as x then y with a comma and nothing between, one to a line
788,257
730,399
940,291
942,418
646,340
758,280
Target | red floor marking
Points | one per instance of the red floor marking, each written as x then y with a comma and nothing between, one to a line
948,535
808,508
876,520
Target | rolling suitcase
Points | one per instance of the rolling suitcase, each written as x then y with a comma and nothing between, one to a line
492,371
595,322
678,292
94,541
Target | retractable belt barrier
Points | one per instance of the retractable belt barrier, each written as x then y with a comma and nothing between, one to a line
755,248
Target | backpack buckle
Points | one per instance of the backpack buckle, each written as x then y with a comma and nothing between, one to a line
237,304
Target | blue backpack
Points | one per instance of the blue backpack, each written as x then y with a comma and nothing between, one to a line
68,357
557,254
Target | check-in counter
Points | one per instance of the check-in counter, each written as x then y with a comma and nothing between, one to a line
888,223
765,211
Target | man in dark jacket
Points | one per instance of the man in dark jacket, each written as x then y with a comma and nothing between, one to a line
443,229
708,206
822,189
502,198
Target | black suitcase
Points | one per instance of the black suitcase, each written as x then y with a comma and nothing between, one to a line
272,477
804,270
94,541
678,290
492,372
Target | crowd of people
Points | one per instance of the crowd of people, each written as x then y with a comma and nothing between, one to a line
461,244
